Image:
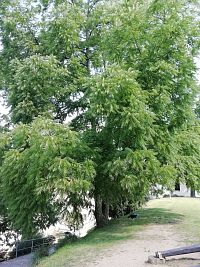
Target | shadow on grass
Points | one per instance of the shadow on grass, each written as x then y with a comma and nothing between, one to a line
124,228
121,229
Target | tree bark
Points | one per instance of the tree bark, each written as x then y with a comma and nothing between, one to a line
105,210
192,194
101,211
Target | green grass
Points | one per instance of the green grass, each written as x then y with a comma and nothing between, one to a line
184,213
189,210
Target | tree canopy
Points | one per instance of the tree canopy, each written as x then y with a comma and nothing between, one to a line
122,75
45,166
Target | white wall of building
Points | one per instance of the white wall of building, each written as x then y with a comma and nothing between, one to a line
183,192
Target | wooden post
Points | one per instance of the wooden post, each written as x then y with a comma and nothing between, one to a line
32,246
178,251
16,249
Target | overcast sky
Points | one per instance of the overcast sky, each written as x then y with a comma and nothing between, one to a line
3,109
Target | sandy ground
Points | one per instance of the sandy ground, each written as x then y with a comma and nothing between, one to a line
135,252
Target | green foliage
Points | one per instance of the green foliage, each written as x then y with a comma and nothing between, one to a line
187,157
160,41
40,253
126,72
66,240
145,97
43,173
37,82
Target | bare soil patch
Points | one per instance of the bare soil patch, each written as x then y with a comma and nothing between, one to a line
135,252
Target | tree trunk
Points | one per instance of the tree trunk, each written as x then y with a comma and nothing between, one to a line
105,210
101,212
192,194
192,188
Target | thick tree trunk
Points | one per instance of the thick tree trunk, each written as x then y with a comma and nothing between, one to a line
101,212
192,188
192,194
98,210
105,210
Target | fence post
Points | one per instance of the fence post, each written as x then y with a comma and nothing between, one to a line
32,246
16,249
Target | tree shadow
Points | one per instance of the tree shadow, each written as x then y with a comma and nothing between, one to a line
93,245
158,216
123,228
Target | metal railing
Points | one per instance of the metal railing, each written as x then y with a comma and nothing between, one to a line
30,245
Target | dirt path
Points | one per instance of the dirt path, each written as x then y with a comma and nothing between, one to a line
23,261
135,252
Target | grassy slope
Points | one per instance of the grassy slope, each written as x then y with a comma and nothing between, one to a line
183,212
189,210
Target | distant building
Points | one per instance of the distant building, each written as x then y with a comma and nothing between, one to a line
180,190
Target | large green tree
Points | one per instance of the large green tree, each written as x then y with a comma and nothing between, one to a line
125,71
144,98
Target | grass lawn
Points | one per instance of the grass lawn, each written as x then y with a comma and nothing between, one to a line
188,209
184,213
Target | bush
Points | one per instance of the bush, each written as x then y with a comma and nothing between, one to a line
68,238
2,255
41,252
44,251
